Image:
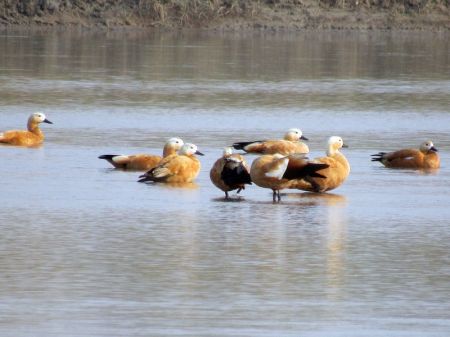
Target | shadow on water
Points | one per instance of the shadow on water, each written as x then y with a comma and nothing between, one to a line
237,198
329,199
306,199
172,186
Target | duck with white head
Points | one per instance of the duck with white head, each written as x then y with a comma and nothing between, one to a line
424,158
334,175
230,172
182,167
31,137
143,161
288,145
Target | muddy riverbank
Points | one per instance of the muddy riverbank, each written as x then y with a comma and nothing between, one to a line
276,15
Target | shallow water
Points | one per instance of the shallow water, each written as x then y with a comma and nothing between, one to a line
87,251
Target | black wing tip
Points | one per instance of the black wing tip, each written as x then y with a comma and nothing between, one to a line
318,167
241,145
107,156
308,170
378,156
317,175
147,176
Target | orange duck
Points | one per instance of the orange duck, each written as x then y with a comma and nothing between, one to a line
426,157
289,145
32,137
230,172
183,167
143,162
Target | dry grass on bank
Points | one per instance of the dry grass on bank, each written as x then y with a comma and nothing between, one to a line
297,14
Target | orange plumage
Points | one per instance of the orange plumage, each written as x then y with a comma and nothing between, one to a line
334,175
32,137
142,162
426,158
183,167
289,145
279,172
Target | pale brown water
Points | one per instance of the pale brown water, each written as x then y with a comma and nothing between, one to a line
88,251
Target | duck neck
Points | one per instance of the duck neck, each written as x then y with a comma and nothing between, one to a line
34,127
331,151
290,138
168,150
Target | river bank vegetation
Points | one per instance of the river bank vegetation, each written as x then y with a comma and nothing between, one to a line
229,14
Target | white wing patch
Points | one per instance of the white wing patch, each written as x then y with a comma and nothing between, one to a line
120,159
160,172
279,170
233,159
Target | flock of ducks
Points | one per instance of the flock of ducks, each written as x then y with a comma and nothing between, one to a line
282,163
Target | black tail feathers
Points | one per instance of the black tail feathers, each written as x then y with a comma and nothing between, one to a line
308,170
313,168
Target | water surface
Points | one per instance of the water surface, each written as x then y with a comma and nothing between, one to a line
87,251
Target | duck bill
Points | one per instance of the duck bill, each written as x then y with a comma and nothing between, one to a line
304,138
345,145
47,121
199,153
433,149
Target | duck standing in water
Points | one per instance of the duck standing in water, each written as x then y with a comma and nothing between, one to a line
230,172
334,175
279,172
33,137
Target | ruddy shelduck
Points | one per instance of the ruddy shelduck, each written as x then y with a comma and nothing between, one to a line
143,162
334,175
279,172
425,158
182,167
32,137
289,145
230,172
